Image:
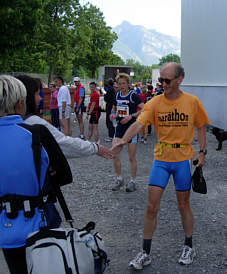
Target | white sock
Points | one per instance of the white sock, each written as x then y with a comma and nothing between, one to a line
119,178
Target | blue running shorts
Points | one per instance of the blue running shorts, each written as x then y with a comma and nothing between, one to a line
161,171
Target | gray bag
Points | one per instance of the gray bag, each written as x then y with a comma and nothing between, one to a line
65,251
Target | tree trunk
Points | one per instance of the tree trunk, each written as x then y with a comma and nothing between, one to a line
51,74
93,74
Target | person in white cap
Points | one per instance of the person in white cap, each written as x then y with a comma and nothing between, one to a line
79,97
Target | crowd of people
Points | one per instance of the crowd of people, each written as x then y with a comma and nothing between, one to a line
124,102
130,111
61,106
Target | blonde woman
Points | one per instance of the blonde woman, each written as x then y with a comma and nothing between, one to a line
22,210
125,110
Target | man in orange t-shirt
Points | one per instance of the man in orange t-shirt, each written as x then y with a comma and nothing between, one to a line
174,115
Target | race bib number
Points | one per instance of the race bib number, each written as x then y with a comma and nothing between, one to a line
122,111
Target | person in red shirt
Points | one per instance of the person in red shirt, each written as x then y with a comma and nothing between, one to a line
143,94
79,96
94,112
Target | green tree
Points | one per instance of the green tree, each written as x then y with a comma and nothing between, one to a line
19,23
95,39
169,58
38,36
141,72
57,35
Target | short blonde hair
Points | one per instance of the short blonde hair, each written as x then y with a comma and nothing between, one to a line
11,90
123,76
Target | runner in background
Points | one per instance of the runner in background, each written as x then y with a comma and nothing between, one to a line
137,88
64,105
79,97
109,99
93,110
125,110
54,111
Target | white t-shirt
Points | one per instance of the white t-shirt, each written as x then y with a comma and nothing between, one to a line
64,96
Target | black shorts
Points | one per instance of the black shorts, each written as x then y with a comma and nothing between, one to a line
94,119
80,110
120,131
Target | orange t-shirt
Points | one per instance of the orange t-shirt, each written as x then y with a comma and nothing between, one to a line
174,122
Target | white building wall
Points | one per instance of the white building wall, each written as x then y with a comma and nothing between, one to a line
155,76
204,55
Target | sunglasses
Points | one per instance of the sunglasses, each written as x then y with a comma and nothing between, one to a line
167,81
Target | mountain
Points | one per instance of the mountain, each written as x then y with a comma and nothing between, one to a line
143,45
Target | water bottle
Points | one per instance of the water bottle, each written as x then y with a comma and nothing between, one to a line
114,120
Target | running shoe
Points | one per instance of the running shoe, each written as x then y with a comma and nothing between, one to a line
187,255
118,184
142,259
131,186
145,141
142,139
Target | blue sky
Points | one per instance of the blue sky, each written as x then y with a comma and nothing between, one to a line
161,15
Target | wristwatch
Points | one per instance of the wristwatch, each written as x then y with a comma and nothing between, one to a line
203,151
97,146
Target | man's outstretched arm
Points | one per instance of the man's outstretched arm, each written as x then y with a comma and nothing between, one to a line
132,131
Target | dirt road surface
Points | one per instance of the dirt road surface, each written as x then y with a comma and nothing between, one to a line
119,216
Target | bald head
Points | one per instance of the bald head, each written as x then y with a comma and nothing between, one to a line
173,68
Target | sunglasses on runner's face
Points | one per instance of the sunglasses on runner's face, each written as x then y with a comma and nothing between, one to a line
167,81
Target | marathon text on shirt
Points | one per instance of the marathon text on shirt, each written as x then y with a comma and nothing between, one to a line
173,116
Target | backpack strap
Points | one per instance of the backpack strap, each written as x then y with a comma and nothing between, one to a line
36,147
63,204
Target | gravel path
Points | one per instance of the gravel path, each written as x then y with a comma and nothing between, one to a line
119,216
